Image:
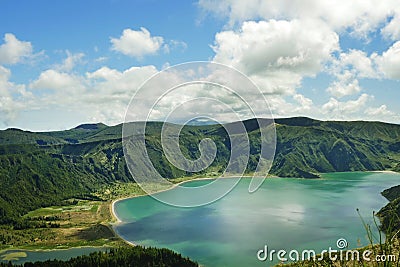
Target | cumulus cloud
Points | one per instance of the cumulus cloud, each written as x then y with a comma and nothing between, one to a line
389,62
70,62
273,51
341,108
392,29
358,16
108,82
379,111
55,80
277,43
347,68
356,64
105,73
304,102
345,85
276,54
13,97
137,44
287,106
13,50
359,62
101,95
274,45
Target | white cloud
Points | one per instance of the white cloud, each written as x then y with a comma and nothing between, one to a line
70,62
55,80
392,29
358,16
108,82
379,111
4,74
389,62
105,73
13,97
280,69
14,50
346,85
336,108
277,54
348,68
101,59
175,45
137,43
101,95
111,90
287,106
382,113
359,62
304,102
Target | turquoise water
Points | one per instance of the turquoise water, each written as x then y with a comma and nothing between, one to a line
283,214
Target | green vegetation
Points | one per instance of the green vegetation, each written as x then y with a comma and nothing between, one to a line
44,169
56,187
310,146
390,214
80,223
132,256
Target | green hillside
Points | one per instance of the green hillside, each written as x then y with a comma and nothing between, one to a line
390,214
41,169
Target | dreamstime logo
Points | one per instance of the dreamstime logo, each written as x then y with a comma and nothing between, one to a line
331,254
197,91
341,243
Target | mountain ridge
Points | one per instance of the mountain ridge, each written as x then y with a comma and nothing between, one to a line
293,121
45,168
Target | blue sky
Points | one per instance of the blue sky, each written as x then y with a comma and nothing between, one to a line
63,63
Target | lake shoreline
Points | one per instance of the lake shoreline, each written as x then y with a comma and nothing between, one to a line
285,214
115,220
118,220
112,205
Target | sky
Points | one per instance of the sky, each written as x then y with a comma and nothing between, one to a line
64,63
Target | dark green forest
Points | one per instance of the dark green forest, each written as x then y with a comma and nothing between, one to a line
39,169
390,214
134,256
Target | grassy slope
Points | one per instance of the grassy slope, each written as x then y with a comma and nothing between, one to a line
42,169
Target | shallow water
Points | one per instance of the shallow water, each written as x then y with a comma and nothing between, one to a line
283,214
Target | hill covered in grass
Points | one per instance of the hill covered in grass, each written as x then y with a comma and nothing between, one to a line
45,168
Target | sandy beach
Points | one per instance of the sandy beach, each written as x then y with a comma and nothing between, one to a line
112,206
118,220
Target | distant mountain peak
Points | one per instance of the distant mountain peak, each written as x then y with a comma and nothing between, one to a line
91,126
198,122
14,129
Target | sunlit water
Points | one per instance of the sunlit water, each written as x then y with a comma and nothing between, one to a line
283,214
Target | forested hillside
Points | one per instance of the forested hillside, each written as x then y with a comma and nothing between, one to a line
41,169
